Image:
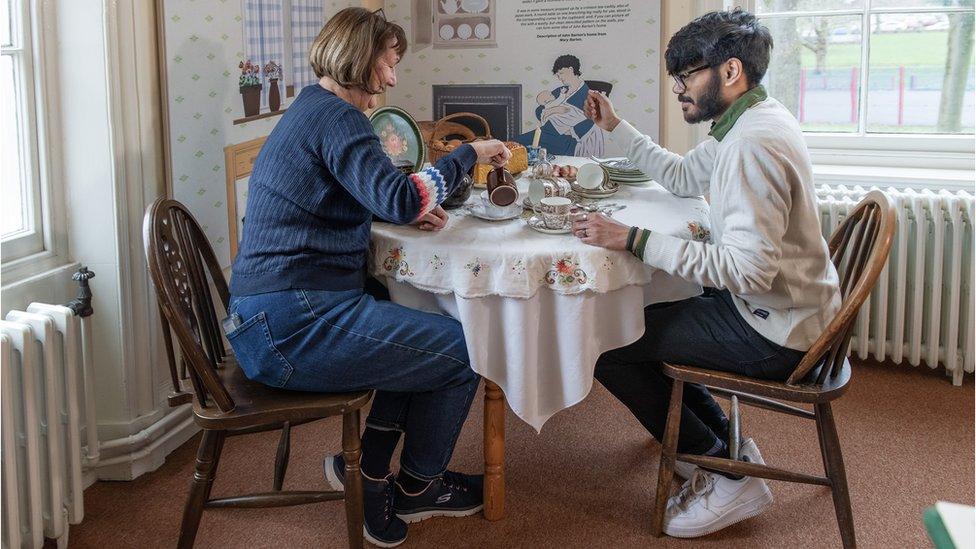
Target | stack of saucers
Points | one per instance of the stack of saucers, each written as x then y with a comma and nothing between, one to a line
623,170
598,193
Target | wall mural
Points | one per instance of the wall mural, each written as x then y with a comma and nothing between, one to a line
553,52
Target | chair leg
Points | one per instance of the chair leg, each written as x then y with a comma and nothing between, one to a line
669,449
203,476
834,464
281,458
351,453
218,451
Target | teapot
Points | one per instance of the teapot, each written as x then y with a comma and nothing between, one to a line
449,6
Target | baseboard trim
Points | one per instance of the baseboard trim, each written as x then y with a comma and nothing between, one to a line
146,451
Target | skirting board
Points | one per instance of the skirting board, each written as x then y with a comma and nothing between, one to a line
144,458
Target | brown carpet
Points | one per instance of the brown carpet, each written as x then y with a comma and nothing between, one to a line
588,479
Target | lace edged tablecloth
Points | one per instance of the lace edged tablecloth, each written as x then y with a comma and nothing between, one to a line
474,258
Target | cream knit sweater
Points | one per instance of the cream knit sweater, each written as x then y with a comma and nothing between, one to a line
766,246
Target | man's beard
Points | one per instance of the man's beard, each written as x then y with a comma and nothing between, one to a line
710,103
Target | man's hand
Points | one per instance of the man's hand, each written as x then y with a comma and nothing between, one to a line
491,151
433,220
599,109
599,230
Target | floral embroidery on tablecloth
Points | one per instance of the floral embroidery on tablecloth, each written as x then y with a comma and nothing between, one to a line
476,266
437,262
699,232
396,260
607,263
519,267
565,271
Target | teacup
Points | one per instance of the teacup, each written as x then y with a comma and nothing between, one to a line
592,176
543,187
554,211
491,209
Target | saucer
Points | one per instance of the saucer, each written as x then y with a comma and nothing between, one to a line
509,212
595,193
535,223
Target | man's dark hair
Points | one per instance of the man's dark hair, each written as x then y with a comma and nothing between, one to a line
567,61
716,37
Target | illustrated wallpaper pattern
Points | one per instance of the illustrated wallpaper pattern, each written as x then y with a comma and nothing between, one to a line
627,57
204,44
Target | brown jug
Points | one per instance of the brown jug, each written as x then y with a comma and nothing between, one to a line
501,187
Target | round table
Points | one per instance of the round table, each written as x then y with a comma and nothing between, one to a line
537,309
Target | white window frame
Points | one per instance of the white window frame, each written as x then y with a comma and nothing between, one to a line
895,151
45,248
30,240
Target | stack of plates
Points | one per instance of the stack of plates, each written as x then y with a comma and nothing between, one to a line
602,192
623,171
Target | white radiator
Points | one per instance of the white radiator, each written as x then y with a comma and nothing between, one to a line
921,310
46,408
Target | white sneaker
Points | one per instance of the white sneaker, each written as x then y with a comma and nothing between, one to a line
709,502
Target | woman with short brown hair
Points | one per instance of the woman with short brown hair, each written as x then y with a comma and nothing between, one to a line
302,320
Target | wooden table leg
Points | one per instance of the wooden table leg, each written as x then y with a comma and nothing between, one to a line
494,452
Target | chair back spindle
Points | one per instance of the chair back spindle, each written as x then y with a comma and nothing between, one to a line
185,272
859,249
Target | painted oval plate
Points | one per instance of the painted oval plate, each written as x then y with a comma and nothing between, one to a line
399,136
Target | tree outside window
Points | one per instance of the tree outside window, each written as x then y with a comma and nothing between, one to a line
873,66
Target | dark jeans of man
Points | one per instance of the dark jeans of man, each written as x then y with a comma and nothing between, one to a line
706,332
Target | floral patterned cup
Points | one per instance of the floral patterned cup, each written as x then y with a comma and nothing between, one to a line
540,188
554,211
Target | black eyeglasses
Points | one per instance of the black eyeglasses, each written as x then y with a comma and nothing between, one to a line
680,77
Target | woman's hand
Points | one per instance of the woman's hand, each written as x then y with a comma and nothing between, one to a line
491,151
599,230
599,109
433,220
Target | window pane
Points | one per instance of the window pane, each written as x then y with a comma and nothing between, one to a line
814,70
778,6
919,3
921,80
11,168
5,23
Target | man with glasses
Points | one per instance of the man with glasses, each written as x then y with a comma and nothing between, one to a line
770,288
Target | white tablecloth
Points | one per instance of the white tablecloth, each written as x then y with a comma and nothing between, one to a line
537,310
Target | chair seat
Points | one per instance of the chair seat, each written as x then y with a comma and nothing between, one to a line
809,392
258,404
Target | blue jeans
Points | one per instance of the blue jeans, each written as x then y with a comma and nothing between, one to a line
324,341
707,332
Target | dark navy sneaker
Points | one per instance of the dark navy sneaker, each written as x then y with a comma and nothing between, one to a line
381,526
451,495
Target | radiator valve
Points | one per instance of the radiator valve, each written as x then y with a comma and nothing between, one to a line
81,305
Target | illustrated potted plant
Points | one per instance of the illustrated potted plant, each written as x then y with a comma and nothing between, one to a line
272,71
250,84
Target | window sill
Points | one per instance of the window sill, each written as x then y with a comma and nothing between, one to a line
32,270
247,119
897,177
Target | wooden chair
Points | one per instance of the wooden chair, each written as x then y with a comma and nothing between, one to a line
185,273
859,249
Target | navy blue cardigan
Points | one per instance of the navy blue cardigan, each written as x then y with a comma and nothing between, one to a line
320,178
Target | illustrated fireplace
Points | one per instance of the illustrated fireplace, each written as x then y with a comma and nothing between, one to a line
499,104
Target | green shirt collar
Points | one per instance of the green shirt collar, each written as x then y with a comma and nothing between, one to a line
732,114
